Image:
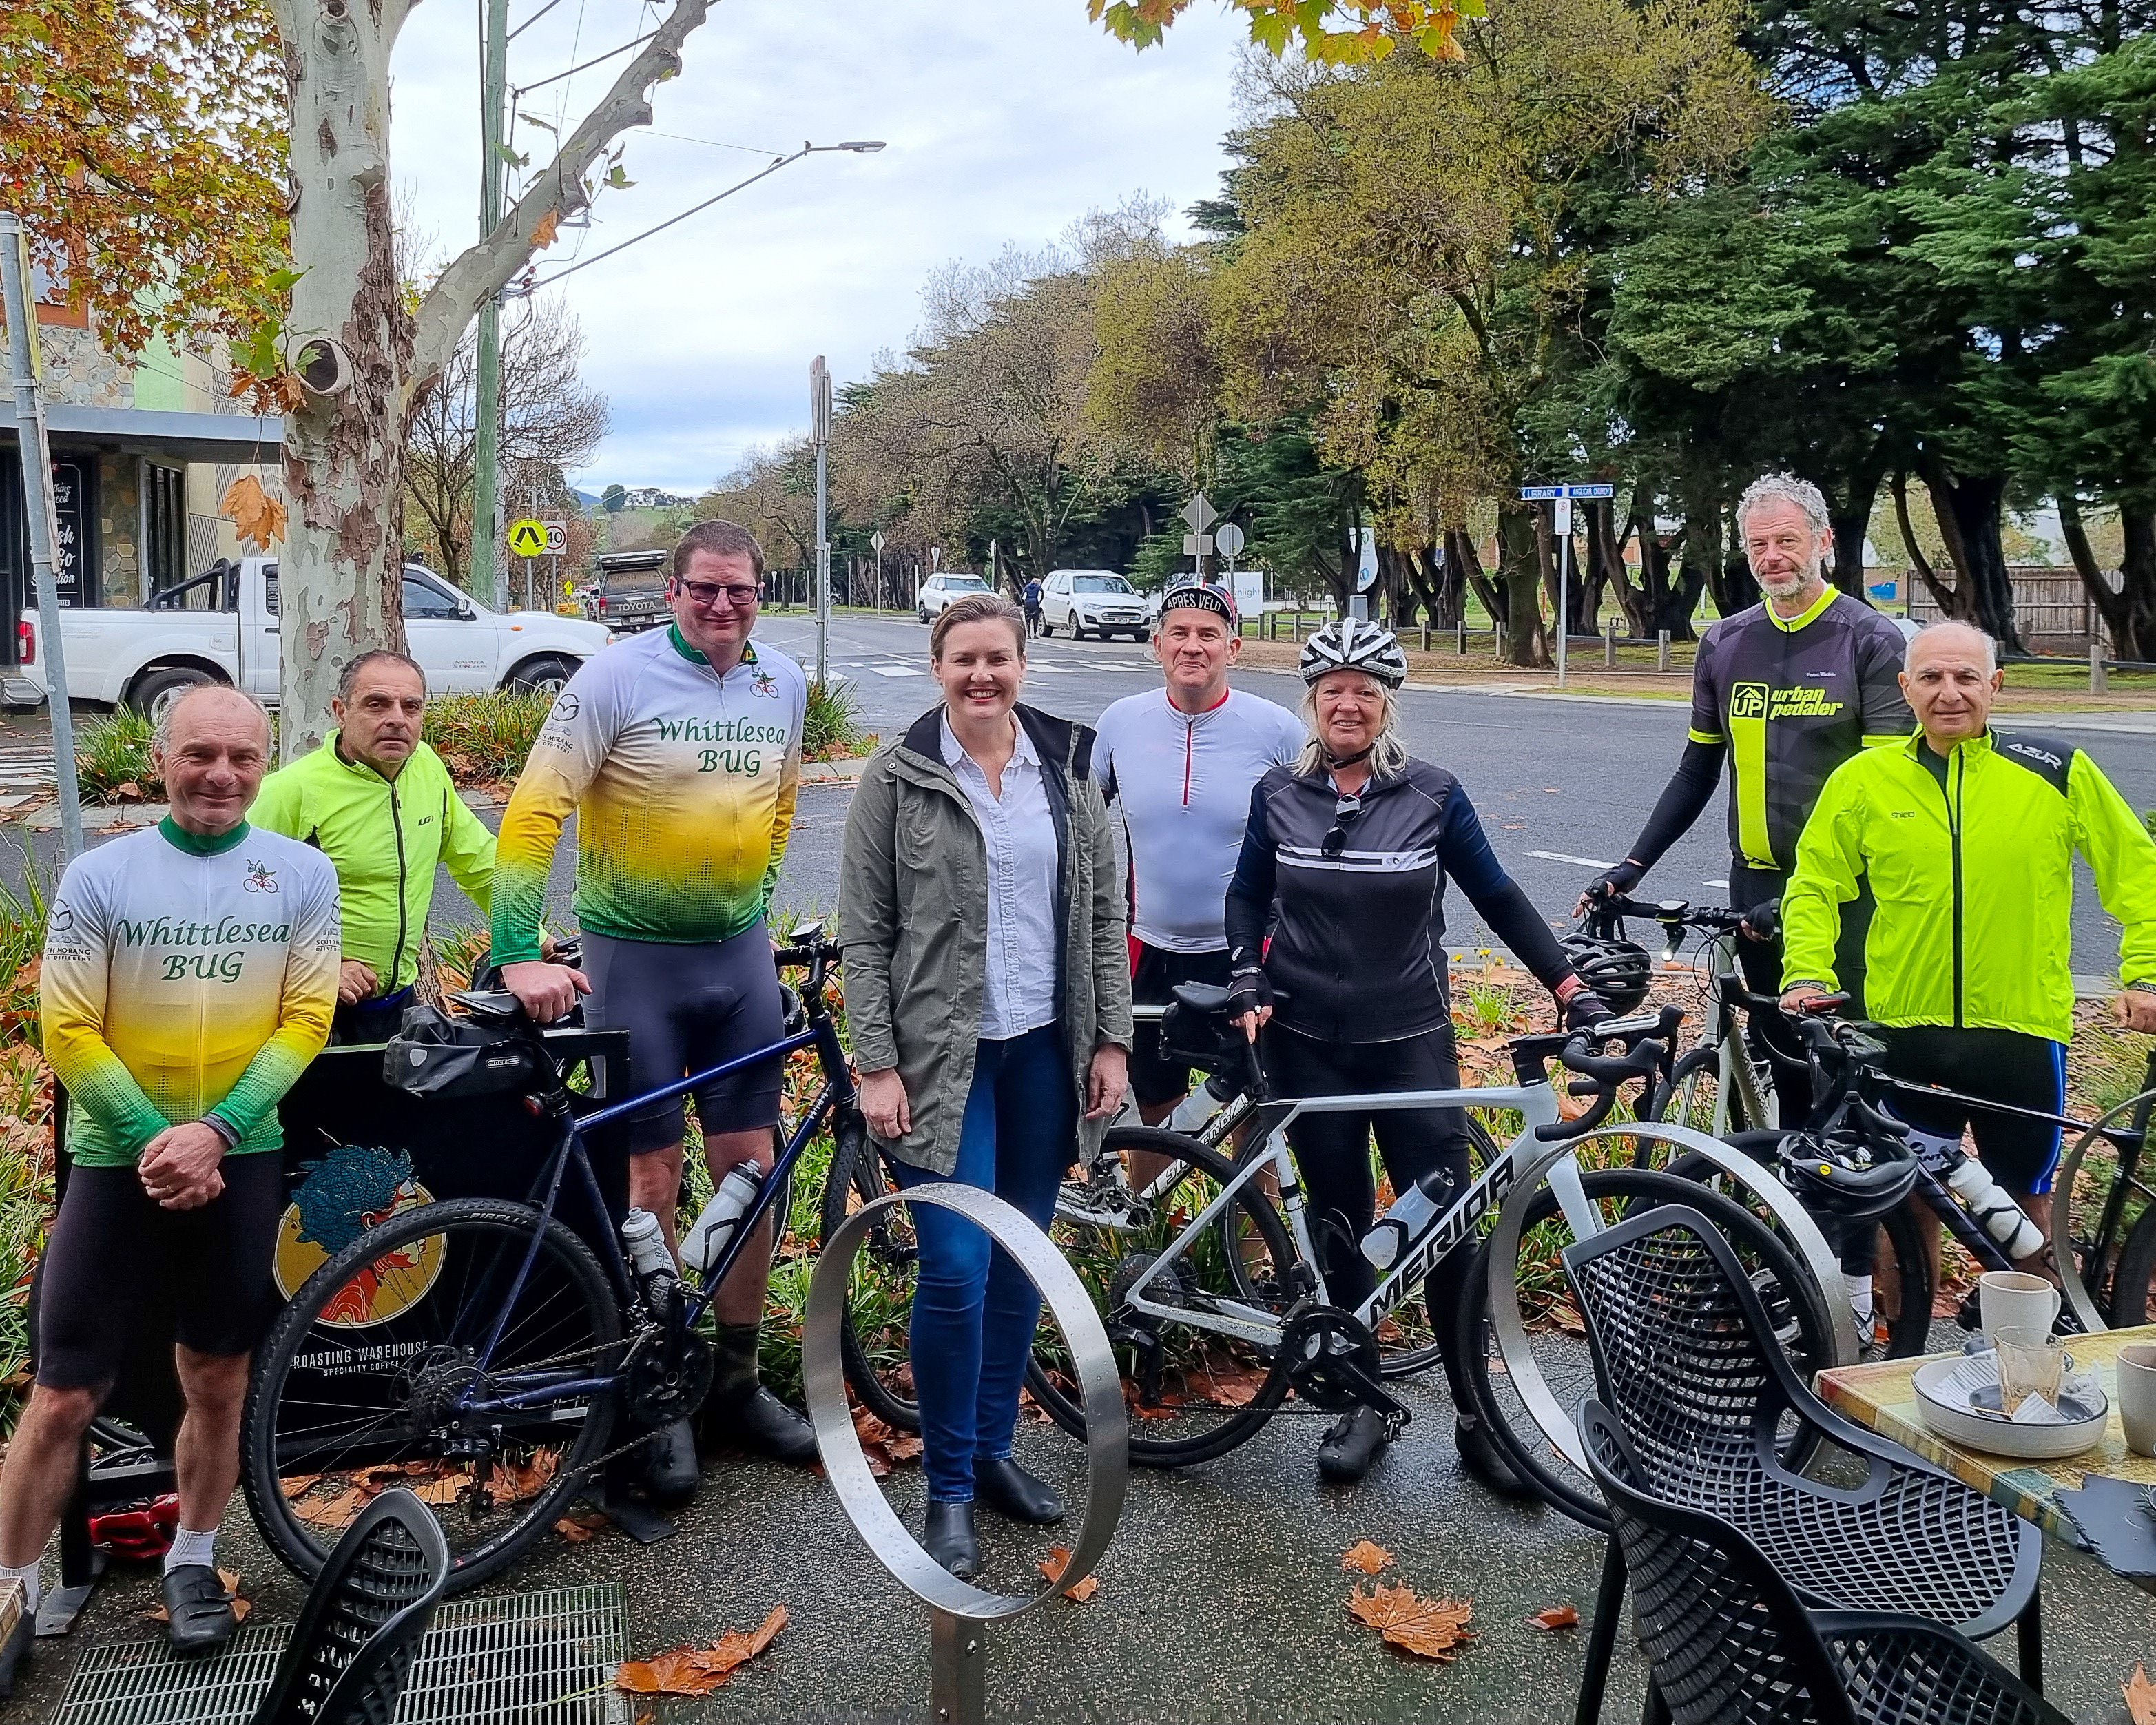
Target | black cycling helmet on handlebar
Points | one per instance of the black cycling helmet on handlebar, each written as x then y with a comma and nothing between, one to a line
1619,971
1832,1173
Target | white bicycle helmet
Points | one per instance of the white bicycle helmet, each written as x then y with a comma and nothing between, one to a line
1349,645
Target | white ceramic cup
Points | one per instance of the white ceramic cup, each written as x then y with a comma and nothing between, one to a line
2014,1300
2137,1396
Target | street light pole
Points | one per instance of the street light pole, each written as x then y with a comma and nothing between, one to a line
819,414
486,566
19,302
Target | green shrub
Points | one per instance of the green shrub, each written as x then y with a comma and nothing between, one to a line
112,759
830,729
483,739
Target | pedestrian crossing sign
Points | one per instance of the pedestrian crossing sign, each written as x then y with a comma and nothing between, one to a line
527,538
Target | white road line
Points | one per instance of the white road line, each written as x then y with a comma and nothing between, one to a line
1585,862
894,670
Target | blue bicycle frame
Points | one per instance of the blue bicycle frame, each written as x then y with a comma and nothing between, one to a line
838,1092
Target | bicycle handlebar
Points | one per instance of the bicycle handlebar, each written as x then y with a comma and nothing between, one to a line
1646,1044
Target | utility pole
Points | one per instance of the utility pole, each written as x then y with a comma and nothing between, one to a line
20,302
486,563
819,415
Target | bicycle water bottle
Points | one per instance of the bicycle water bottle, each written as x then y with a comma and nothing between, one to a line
1413,1211
648,1256
1990,1204
714,1223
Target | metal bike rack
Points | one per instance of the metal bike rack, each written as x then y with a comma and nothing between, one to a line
2071,1283
1557,1165
960,1613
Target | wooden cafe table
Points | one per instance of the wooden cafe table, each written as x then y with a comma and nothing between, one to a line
1882,1397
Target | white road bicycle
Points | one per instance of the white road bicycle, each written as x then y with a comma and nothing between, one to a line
1218,1310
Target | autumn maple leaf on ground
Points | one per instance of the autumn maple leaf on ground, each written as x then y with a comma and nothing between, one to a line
1365,1556
1053,1566
1432,1629
698,1671
2140,1692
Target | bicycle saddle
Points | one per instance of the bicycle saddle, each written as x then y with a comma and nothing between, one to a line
1201,997
493,1005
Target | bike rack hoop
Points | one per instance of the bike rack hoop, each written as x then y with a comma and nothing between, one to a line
1108,1429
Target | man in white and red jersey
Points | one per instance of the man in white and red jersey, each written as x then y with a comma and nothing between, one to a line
1180,761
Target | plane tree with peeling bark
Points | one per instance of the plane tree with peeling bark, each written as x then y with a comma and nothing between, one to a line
367,358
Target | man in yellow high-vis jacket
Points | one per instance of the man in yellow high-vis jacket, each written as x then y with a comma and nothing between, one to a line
1968,836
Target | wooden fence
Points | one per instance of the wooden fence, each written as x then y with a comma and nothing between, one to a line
2050,606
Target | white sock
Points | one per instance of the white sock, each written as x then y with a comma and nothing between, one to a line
189,1547
1859,1297
26,1574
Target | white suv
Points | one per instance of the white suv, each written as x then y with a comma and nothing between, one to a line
1096,600
938,591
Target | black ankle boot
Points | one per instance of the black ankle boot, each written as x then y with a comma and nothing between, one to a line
1480,1454
1352,1444
948,1537
1010,1491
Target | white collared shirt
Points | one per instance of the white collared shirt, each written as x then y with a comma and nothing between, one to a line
1018,841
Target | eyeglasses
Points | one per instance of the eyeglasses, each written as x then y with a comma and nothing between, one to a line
708,595
1336,837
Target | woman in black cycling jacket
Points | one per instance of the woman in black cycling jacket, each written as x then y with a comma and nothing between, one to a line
1346,859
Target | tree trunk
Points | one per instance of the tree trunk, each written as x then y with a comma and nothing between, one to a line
339,574
1719,567
1464,564
2128,616
1849,513
1969,510
1519,533
1666,601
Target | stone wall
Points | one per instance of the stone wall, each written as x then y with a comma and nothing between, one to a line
119,522
80,373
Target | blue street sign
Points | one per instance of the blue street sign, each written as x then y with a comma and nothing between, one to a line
1544,494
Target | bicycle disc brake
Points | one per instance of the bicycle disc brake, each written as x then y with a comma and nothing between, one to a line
1333,1361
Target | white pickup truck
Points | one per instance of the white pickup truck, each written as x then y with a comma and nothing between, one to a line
221,627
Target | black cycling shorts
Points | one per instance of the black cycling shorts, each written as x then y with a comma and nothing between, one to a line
2007,1066
1154,1078
688,1008
116,1253
1332,1151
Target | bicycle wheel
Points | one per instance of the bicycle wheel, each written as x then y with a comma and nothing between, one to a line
2133,1284
355,1388
872,1342
1193,1393
1558,1333
1693,1097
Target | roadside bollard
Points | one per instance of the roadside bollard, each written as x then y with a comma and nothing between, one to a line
1610,644
2099,672
1459,637
1425,637
960,1613
1661,649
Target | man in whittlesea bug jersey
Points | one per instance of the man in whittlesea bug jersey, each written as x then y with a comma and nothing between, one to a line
679,751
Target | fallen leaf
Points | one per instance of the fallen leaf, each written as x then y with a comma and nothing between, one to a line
1557,1617
543,233
577,1528
2140,1692
1365,1556
1053,1566
230,1579
698,1671
128,790
678,1672
904,1449
1433,1628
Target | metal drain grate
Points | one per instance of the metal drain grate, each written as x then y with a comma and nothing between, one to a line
520,1659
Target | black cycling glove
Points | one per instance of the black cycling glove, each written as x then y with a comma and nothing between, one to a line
1586,1009
1613,883
1763,921
1248,991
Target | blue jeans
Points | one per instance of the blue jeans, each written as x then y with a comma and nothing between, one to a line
974,1309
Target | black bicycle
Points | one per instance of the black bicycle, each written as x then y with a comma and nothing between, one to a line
483,1351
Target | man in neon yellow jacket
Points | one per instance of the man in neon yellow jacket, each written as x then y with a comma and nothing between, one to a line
1968,836
378,802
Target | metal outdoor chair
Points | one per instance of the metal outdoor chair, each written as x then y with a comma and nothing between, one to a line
1728,1641
1689,1366
352,1653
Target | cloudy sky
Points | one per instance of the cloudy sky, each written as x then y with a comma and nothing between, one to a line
1005,121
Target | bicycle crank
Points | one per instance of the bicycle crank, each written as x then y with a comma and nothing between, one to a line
1332,1362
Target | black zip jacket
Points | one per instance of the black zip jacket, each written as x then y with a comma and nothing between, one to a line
1358,952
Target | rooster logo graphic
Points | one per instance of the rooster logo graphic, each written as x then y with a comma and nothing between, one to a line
355,1187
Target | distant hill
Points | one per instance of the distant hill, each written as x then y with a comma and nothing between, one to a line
590,500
